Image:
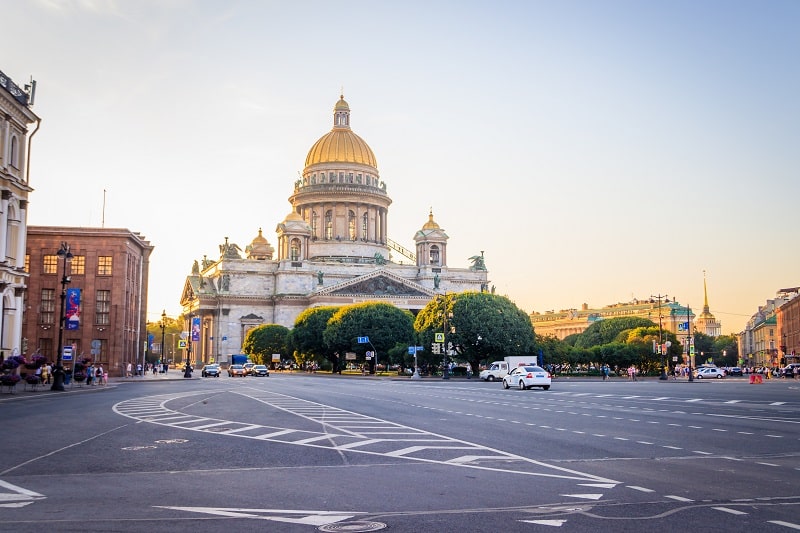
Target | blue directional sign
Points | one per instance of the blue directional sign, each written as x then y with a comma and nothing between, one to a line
363,340
683,326
414,349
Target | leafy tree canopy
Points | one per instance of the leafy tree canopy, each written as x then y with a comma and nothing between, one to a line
263,341
606,331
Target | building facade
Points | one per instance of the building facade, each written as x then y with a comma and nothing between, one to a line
787,318
669,314
332,249
109,268
18,124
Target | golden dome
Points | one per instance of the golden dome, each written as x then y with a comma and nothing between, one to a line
431,224
341,145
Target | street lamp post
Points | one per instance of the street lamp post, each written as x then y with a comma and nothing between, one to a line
163,331
445,314
58,371
663,375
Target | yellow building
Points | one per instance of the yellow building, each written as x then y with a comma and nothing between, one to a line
671,315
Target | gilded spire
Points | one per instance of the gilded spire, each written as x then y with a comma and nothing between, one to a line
705,294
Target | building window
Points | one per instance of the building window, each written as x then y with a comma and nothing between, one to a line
45,347
434,255
314,224
102,311
47,307
14,152
350,178
351,225
329,225
341,177
332,177
358,178
295,249
50,264
104,265
77,266
364,219
28,263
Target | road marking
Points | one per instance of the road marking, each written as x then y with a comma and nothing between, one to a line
678,498
343,430
556,523
312,518
640,489
584,496
18,497
731,511
785,524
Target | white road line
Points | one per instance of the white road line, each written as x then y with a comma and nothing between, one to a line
678,498
731,511
640,489
784,524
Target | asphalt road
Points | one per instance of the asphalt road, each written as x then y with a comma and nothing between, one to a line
320,453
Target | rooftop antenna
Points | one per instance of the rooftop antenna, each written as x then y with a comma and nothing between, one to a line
30,89
103,223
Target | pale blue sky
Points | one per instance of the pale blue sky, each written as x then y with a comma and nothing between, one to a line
596,151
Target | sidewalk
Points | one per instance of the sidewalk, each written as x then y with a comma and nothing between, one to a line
24,390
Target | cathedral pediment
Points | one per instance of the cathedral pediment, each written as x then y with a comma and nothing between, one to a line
378,284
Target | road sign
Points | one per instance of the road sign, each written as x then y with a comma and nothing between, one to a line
363,340
438,337
414,349
66,357
182,344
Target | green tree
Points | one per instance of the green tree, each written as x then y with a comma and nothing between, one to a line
263,341
703,348
306,338
728,349
605,331
480,326
384,324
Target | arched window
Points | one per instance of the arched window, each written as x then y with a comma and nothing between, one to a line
434,255
329,224
351,225
364,219
314,224
295,249
14,152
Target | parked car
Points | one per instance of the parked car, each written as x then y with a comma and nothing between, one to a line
525,377
708,373
735,371
210,370
259,370
236,370
248,368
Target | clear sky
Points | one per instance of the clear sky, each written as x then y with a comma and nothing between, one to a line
596,151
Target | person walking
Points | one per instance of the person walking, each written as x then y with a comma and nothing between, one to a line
99,374
90,374
46,370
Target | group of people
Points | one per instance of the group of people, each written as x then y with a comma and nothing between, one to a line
95,375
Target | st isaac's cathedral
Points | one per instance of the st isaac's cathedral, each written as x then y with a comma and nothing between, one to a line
332,249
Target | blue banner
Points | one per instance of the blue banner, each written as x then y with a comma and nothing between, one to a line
72,314
195,328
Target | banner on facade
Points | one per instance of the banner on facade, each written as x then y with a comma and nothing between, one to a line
72,314
195,328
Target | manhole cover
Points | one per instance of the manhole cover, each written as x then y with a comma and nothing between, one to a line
353,527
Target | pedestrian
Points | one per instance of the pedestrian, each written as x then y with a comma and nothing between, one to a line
138,369
796,372
47,370
39,374
89,374
98,374
128,370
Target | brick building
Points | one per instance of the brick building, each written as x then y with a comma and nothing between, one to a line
110,267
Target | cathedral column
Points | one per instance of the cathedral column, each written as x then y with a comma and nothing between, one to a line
4,224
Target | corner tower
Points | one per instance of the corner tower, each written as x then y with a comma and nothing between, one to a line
341,196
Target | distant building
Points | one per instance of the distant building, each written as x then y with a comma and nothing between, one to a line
16,118
568,322
332,249
110,268
706,323
772,335
788,322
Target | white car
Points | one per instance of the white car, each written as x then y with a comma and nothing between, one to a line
525,377
709,372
